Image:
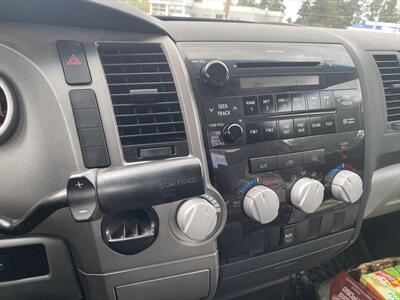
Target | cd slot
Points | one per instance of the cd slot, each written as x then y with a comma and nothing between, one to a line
276,64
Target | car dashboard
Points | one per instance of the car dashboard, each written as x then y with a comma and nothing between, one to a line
185,159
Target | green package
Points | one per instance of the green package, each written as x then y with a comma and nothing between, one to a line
383,284
397,268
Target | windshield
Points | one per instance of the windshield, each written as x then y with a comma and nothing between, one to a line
371,15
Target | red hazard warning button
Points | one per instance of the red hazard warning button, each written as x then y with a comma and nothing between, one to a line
74,64
73,61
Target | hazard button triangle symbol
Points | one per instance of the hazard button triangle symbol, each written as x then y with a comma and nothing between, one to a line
73,61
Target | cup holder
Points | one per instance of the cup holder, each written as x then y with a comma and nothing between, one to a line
130,232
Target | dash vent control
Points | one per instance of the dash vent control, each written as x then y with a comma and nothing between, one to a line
145,101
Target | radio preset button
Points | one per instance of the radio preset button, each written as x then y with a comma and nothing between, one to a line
313,101
290,160
316,126
283,103
253,132
250,105
269,130
301,127
267,104
329,123
327,100
298,101
348,120
286,128
347,99
263,164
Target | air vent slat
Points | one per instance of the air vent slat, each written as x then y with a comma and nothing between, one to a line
389,69
146,114
391,81
135,64
151,134
131,54
144,124
159,93
144,96
138,73
144,104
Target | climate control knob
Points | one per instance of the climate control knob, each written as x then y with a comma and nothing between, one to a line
347,186
261,204
216,74
232,132
197,219
307,194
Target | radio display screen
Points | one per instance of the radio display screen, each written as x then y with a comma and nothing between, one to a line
254,82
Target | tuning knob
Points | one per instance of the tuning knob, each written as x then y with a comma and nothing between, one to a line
216,74
307,194
232,132
261,204
347,186
197,218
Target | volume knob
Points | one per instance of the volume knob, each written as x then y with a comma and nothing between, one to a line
261,204
347,186
307,194
216,74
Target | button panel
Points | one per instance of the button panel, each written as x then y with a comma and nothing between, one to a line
90,128
278,116
298,127
285,161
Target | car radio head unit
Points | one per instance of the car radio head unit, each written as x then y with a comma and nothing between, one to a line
285,140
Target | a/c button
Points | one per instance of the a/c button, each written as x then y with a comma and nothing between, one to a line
263,164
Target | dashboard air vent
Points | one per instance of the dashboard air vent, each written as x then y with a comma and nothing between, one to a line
145,101
389,68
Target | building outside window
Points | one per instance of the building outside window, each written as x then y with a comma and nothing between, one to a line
213,9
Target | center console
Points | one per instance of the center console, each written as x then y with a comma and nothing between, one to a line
285,141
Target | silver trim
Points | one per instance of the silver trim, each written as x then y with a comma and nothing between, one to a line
9,121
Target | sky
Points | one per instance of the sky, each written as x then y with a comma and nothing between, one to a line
292,7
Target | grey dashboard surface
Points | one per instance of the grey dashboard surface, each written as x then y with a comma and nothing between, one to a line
45,150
